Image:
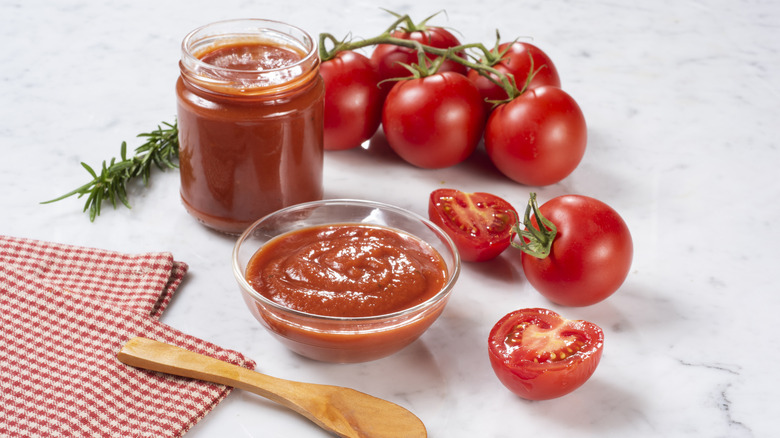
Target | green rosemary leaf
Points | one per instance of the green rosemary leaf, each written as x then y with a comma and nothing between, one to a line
122,194
160,149
96,204
89,169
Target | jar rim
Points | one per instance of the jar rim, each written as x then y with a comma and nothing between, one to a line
217,33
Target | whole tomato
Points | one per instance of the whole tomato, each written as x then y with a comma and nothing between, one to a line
589,250
515,59
353,101
539,355
434,121
390,58
538,138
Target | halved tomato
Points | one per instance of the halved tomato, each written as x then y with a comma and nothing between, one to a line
539,355
480,224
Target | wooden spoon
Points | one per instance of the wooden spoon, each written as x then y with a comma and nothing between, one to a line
343,411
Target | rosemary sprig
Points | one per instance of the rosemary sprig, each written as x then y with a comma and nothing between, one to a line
161,150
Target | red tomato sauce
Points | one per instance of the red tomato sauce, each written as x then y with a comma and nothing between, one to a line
251,140
347,270
251,56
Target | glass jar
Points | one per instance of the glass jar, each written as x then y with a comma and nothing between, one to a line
250,118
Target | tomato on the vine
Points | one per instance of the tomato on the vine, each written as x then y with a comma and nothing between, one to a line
480,224
589,247
539,355
434,121
390,58
353,101
538,138
516,59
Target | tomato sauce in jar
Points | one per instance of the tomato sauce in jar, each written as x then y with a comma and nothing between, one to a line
347,270
250,118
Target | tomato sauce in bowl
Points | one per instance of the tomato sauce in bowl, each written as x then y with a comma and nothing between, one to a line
347,270
345,280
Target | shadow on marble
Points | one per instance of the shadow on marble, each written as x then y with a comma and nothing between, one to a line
598,406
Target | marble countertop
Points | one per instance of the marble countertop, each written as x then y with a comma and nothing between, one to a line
681,100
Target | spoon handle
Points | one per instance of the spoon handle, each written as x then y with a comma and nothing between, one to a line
170,359
343,411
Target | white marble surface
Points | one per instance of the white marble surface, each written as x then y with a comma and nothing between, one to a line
682,101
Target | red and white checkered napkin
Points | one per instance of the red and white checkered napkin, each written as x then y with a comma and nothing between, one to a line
65,312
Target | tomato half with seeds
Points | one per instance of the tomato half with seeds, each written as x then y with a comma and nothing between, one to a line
538,354
480,224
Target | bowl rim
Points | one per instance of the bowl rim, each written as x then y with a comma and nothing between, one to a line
445,290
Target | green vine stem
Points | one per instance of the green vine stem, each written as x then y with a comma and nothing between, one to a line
535,240
486,69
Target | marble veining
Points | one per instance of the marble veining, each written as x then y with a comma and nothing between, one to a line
681,100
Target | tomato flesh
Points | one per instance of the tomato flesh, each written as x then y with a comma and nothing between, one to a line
539,355
480,224
543,344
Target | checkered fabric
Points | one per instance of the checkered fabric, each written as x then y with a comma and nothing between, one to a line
65,312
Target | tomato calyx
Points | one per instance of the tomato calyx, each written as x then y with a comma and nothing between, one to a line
506,57
511,88
495,55
405,23
490,58
535,240
423,68
531,74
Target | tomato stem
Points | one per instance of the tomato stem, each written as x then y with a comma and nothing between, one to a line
535,240
410,25
484,67
404,22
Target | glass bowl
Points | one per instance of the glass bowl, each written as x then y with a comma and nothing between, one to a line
335,338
